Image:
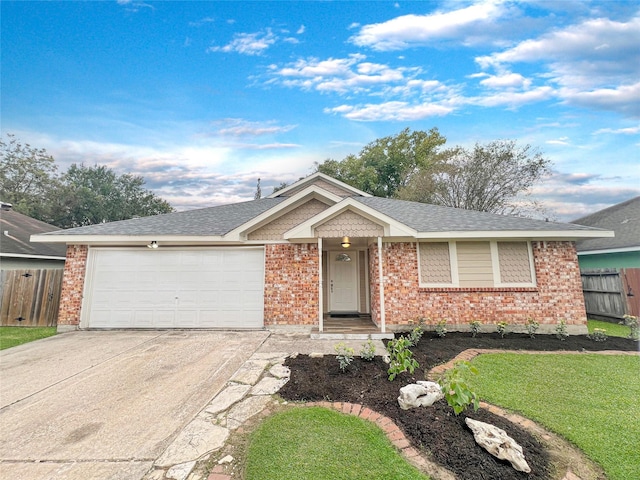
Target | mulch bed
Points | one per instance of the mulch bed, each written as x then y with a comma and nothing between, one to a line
436,431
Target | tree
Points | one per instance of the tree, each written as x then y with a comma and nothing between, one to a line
90,195
29,180
386,165
258,194
495,177
27,177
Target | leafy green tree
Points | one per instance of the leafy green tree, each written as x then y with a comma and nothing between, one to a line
97,194
387,165
494,177
29,180
27,177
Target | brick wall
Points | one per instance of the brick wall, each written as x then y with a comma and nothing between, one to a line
72,283
558,294
291,284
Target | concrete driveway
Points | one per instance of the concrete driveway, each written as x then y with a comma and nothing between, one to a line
105,405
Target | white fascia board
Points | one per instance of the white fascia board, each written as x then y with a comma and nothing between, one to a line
550,235
35,257
126,239
239,233
610,250
392,228
324,177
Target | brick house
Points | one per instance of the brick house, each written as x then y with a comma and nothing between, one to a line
316,249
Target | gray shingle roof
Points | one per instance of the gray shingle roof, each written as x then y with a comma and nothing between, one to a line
623,218
434,218
210,221
214,221
19,229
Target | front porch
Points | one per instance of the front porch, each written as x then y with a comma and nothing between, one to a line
355,327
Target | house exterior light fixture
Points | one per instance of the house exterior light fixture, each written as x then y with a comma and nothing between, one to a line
153,244
346,243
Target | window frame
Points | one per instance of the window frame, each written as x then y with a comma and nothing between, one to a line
495,264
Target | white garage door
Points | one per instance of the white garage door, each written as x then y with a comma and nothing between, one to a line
174,288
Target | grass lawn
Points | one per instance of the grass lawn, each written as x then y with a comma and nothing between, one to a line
613,329
591,400
322,444
12,336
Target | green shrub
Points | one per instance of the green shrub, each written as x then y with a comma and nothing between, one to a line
455,386
368,351
344,355
501,328
598,335
475,327
441,328
416,334
632,322
532,327
561,330
400,357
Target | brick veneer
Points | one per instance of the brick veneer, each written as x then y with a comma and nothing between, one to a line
558,294
75,267
291,284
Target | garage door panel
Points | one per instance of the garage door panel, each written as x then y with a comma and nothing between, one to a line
175,288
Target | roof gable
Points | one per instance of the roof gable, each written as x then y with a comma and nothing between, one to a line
623,218
322,181
16,230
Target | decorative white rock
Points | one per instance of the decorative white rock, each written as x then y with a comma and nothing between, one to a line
421,394
496,441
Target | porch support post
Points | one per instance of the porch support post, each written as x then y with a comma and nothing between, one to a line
381,287
320,291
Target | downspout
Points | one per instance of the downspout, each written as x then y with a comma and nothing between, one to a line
381,287
320,290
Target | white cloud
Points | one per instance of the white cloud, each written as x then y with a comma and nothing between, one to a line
594,64
513,99
390,111
301,30
410,30
619,131
202,21
506,80
559,141
237,127
248,43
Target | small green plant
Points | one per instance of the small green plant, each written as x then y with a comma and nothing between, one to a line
501,328
416,334
532,327
475,327
561,330
456,389
598,335
632,322
441,328
400,357
368,351
344,355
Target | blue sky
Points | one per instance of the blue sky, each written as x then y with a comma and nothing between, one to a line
203,98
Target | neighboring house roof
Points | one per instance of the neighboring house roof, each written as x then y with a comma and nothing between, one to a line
623,218
15,232
400,219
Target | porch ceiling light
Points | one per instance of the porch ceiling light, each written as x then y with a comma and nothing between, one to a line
346,243
153,244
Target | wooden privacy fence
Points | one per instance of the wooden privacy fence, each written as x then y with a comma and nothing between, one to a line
30,297
611,293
